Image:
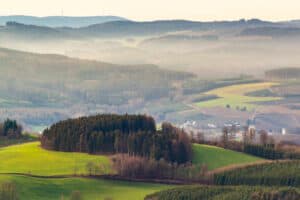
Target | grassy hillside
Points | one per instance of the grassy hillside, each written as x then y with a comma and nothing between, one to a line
235,96
91,189
215,157
31,158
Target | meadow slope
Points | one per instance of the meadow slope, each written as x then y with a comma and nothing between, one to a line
30,158
215,157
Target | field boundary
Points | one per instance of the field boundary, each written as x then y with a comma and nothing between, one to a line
117,178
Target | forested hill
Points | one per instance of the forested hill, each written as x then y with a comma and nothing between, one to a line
110,133
53,80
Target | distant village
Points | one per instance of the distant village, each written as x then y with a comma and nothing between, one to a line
213,130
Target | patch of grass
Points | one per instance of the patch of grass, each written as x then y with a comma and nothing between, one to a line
90,189
235,96
216,157
32,159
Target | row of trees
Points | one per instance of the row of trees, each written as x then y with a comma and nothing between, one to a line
10,129
145,168
132,134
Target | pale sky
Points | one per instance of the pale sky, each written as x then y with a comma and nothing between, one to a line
158,9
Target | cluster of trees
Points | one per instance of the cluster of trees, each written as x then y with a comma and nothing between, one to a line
109,133
270,174
225,193
264,146
10,129
145,168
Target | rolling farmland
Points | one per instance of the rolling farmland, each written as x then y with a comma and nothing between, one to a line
234,96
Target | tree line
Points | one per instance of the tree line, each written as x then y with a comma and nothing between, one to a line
259,144
137,167
135,135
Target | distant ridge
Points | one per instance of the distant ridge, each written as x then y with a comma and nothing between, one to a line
60,21
124,28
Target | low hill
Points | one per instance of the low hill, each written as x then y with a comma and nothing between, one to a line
215,157
15,30
30,158
59,21
59,80
90,189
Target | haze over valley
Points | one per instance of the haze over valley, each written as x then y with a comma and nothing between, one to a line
167,106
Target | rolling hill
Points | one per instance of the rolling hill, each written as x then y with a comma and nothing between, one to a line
236,96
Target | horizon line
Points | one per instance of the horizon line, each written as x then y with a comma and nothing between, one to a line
159,19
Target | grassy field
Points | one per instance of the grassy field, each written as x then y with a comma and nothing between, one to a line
215,157
235,96
90,189
32,159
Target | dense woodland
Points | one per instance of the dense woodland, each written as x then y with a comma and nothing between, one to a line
109,133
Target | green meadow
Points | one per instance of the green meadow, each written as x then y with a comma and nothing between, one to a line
30,158
29,188
215,157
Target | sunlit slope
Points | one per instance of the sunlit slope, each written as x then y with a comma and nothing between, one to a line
90,189
235,96
215,157
30,158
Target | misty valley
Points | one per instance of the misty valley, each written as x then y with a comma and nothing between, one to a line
111,108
